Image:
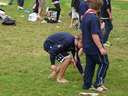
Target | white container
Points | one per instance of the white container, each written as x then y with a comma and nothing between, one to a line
32,17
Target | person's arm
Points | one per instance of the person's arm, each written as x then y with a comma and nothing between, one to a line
52,59
97,41
109,10
109,13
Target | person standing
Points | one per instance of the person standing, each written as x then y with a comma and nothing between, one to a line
39,8
106,17
75,13
93,48
56,3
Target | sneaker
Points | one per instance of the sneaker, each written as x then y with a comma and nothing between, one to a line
99,89
59,21
62,80
19,7
105,88
108,44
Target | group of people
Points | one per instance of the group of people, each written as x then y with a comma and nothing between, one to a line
39,7
95,19
95,23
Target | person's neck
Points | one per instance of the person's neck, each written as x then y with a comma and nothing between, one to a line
91,11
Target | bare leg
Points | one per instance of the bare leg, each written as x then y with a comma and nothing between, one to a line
62,70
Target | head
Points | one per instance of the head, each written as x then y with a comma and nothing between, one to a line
95,4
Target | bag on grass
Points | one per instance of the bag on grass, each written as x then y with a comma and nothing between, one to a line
8,21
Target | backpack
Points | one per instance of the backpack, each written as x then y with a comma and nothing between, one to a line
8,21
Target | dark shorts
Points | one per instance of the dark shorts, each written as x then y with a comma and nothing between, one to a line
54,50
61,56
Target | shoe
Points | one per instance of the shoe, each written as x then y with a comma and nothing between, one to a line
105,88
19,7
99,89
59,21
62,80
108,44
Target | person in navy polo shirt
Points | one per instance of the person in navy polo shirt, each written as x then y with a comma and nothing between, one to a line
93,48
60,46
106,16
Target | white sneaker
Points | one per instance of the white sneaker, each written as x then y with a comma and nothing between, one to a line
19,7
99,89
59,21
105,88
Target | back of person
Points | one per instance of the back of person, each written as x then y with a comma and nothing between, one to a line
62,38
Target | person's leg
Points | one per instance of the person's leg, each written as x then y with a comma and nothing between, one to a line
54,71
58,10
20,3
102,70
35,8
108,28
89,72
62,69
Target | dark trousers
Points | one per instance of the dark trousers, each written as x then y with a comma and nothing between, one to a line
20,3
58,9
91,61
36,7
108,28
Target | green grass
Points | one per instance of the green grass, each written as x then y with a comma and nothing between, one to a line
24,66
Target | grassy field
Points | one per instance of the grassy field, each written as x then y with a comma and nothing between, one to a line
24,66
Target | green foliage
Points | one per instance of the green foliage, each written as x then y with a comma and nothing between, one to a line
24,66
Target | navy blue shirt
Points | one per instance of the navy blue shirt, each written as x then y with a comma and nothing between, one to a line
62,38
106,5
90,25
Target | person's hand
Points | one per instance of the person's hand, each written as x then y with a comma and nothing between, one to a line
110,17
103,51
